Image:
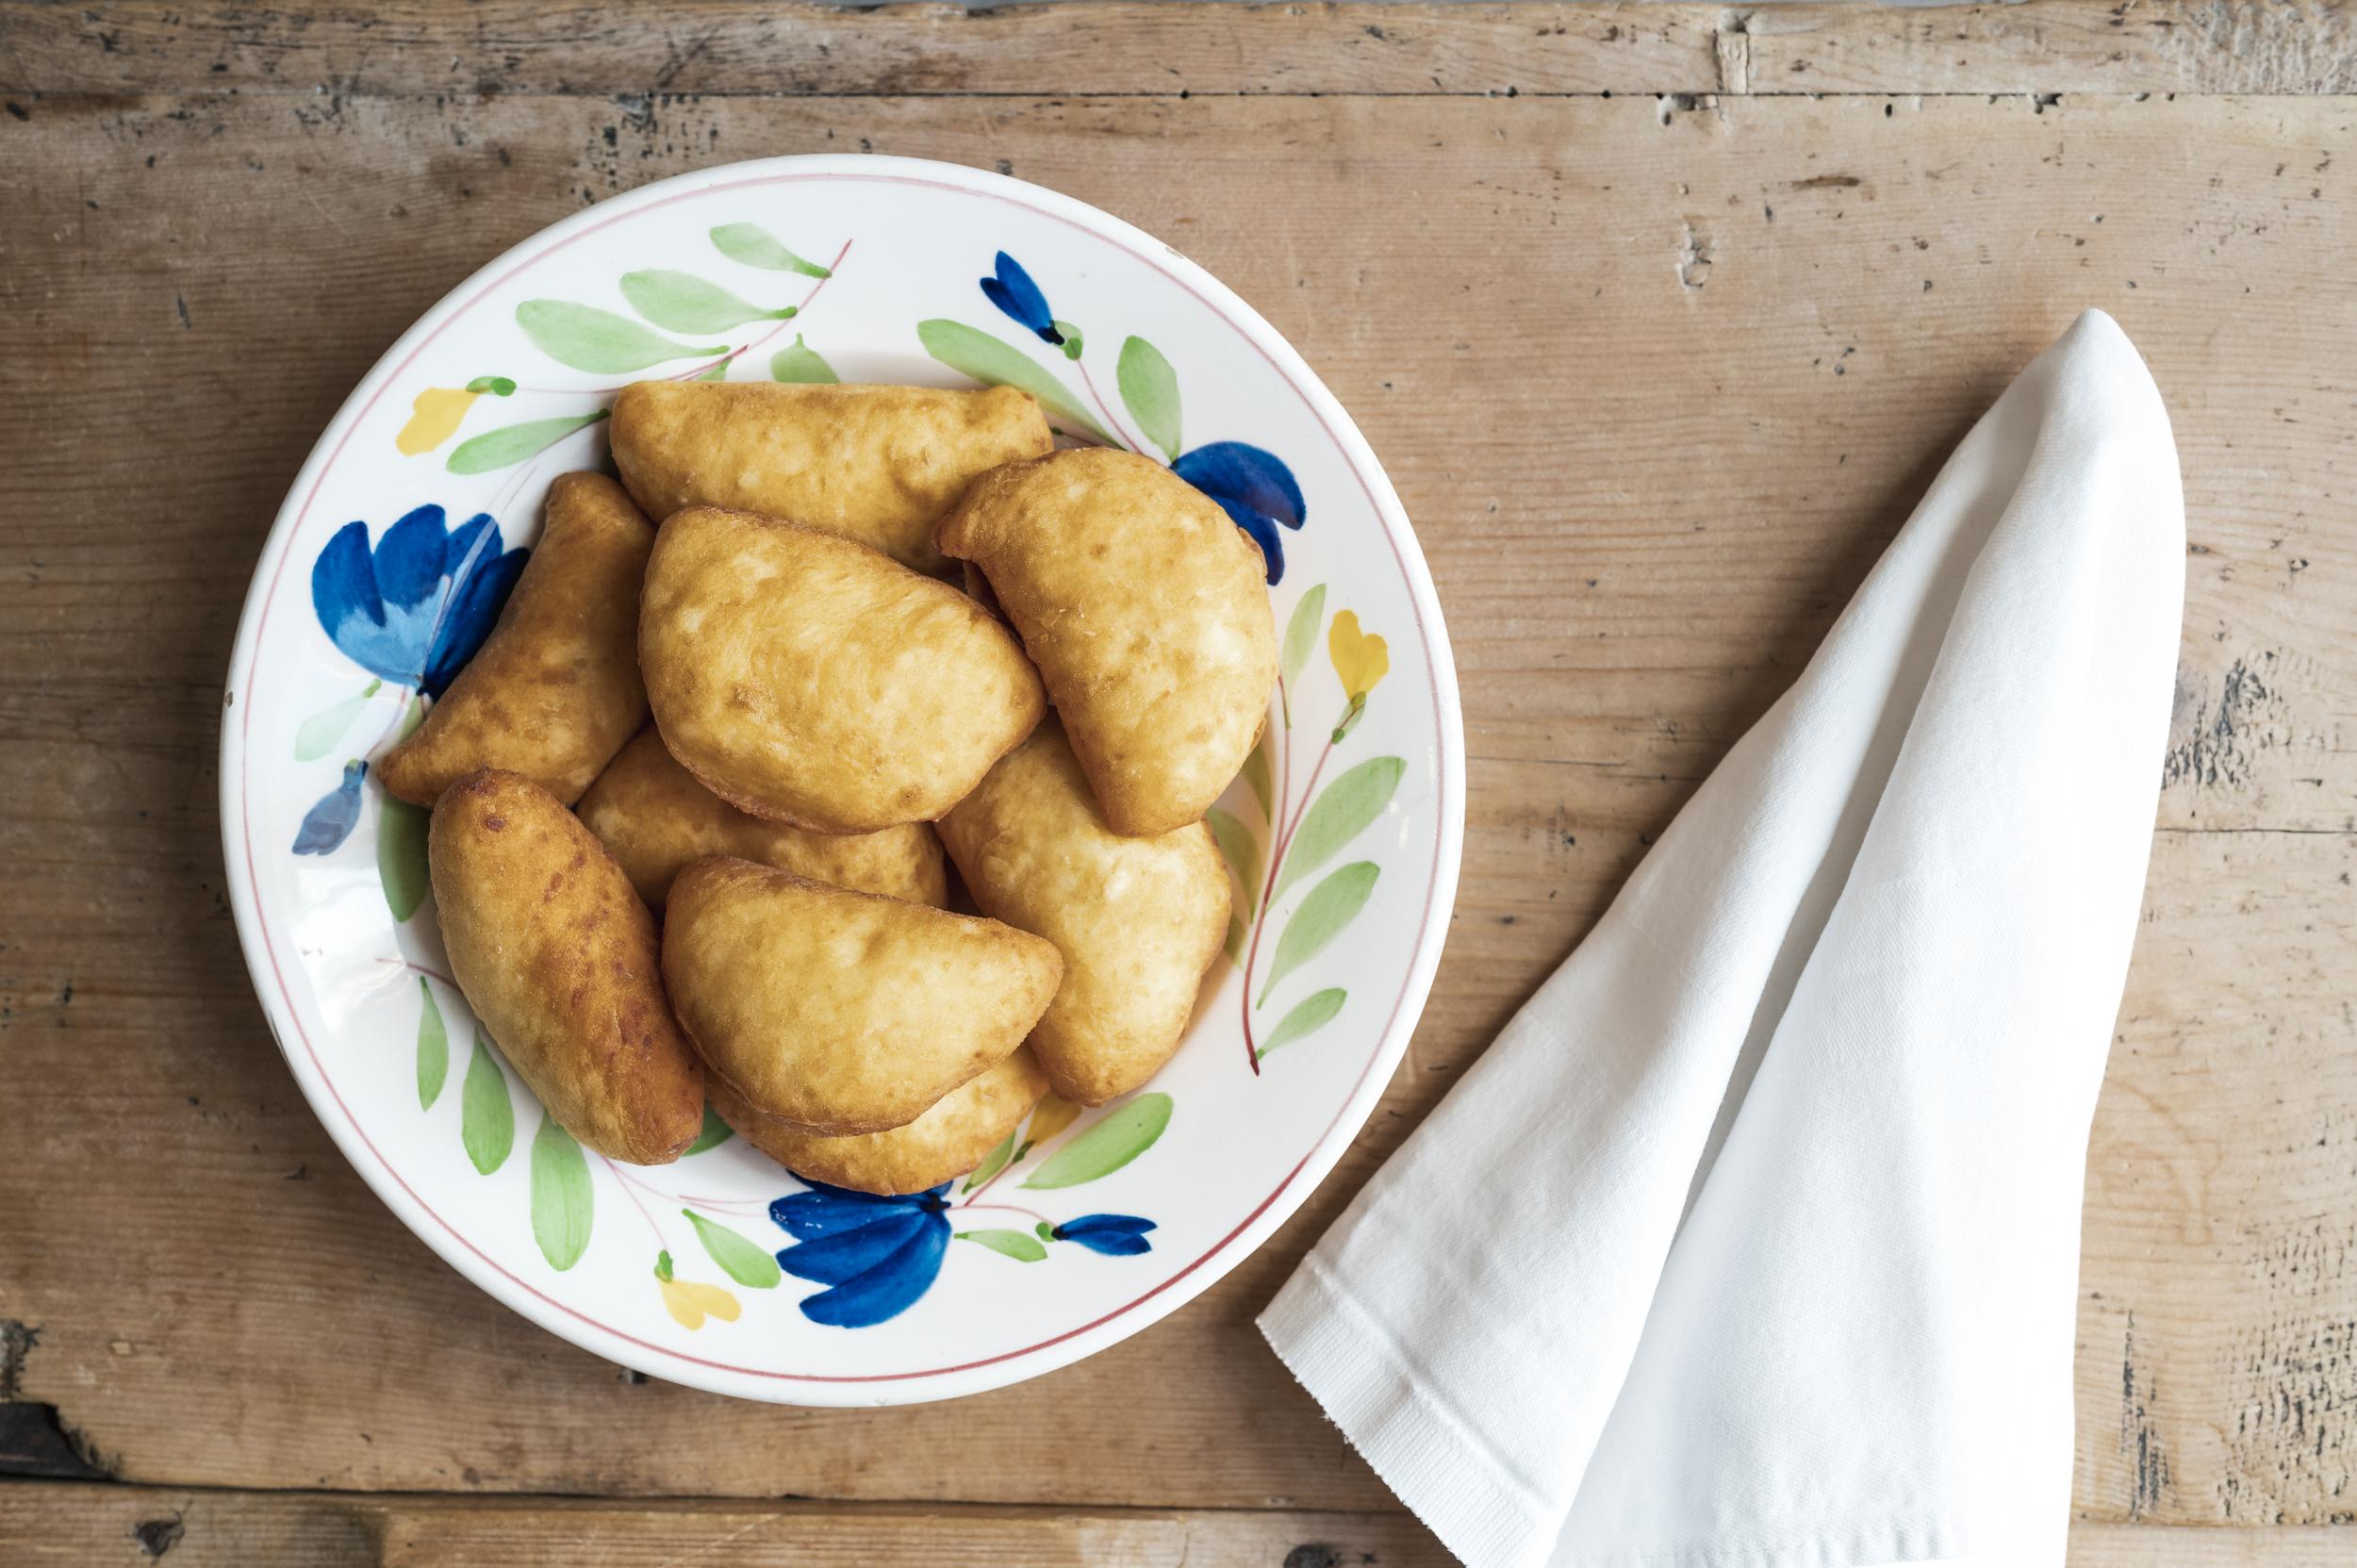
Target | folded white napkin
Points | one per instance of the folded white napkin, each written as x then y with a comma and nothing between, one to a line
1754,1240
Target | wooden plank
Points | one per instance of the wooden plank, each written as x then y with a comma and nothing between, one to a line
89,1527
2246,47
1656,384
92,1527
742,46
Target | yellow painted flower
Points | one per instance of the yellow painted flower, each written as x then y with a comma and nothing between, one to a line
1054,1114
438,412
690,1301
1359,657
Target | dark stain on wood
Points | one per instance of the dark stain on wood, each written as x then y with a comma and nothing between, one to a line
2138,1436
35,1440
157,1536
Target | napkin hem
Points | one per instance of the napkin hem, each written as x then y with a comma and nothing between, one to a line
1416,1445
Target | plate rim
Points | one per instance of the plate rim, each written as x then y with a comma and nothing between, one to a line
564,1321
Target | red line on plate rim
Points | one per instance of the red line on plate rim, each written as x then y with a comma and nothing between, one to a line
1341,449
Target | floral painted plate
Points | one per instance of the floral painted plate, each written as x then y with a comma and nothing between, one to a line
389,561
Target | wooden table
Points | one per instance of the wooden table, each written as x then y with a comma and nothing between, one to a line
1660,316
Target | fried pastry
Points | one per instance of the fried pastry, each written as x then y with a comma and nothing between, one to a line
839,1012
557,957
876,464
811,681
653,818
949,1140
554,691
1146,611
1138,920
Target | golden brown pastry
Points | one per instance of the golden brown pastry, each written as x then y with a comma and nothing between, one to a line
1138,920
843,1012
557,958
948,1140
653,818
1147,612
809,679
875,464
554,691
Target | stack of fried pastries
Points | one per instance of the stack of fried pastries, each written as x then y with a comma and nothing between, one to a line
691,797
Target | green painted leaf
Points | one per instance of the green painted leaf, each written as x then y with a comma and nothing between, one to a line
754,246
562,1202
1149,390
401,856
715,1132
1341,815
498,386
681,302
1331,905
1242,852
720,371
993,1162
1301,633
1311,1014
510,444
1014,1244
319,733
487,1124
1234,944
1128,1132
802,363
587,339
1046,1231
1256,778
433,1049
971,352
739,1259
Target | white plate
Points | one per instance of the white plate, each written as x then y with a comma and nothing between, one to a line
943,1294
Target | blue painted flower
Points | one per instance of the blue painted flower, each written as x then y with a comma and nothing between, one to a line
1114,1235
877,1255
1255,489
331,819
1012,292
414,610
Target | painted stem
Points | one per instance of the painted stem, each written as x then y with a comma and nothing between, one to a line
1259,918
1012,1209
1120,430
1280,844
626,1184
420,969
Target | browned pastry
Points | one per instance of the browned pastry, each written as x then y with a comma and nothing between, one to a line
843,1012
557,957
554,691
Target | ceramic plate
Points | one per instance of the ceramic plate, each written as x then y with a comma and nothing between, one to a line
388,565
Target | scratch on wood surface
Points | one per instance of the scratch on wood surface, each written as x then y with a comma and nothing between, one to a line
1733,43
2212,740
2140,1437
2293,1442
2264,46
1693,255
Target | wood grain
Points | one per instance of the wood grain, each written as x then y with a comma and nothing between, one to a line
1656,383
744,46
93,1526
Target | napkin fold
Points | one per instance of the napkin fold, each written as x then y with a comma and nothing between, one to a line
1754,1240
